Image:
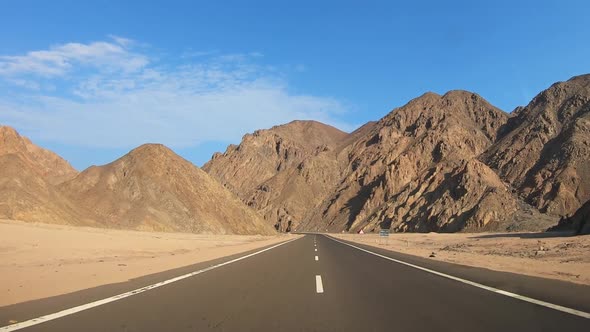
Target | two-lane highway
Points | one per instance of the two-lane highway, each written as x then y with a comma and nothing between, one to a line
317,283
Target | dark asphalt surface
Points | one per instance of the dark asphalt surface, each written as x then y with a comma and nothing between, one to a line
276,291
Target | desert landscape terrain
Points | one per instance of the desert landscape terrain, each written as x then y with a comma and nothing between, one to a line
440,163
43,260
556,256
278,166
451,177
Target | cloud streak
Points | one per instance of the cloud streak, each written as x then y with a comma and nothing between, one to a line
108,94
60,59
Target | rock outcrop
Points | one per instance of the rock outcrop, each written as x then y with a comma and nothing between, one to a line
426,146
47,164
25,194
28,174
545,154
282,172
578,223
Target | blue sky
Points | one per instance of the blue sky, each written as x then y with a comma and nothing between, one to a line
93,80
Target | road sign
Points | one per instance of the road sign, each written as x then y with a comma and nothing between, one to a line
384,232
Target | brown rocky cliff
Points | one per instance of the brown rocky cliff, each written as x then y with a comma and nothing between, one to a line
282,172
47,164
447,198
264,153
578,223
430,130
546,153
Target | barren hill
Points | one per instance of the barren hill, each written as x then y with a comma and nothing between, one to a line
546,153
152,188
27,177
28,196
447,162
415,170
47,164
283,171
268,152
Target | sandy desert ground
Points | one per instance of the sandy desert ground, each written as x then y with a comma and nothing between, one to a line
538,254
41,260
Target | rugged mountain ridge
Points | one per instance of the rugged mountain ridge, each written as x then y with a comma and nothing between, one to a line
447,163
270,151
545,155
422,143
281,172
439,163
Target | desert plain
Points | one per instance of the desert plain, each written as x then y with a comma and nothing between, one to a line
41,260
554,255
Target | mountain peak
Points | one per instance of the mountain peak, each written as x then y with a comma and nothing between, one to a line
545,153
151,149
8,131
581,79
50,166
461,94
308,132
11,139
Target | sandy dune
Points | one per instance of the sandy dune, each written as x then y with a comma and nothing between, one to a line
41,260
536,254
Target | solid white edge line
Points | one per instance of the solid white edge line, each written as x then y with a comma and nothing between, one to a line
475,284
66,312
319,287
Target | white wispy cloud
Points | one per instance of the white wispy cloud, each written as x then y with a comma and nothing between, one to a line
60,59
109,94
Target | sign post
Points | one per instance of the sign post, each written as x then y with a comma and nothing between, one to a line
384,236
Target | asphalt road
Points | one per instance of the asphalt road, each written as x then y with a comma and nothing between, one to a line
344,289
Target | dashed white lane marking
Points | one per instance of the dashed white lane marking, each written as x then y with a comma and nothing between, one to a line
319,287
315,249
475,284
317,258
66,312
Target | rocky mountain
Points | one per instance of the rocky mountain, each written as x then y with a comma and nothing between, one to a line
27,177
47,164
269,152
578,223
546,152
448,163
282,172
415,170
152,188
26,195
439,163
